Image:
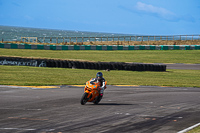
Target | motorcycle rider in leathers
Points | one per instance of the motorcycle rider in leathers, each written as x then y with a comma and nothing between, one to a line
99,78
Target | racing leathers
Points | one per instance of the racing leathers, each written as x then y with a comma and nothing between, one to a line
102,83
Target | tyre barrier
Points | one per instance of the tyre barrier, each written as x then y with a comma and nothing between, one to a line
37,62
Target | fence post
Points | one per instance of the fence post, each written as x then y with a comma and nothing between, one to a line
180,37
154,38
43,39
135,38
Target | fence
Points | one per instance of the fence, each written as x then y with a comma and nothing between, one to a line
98,47
109,38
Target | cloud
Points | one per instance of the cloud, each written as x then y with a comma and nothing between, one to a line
156,11
159,12
27,17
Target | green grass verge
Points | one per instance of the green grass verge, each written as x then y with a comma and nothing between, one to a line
15,75
195,130
145,56
22,75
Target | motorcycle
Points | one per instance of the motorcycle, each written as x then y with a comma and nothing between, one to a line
92,93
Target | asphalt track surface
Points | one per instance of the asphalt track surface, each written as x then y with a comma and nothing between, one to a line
128,109
183,66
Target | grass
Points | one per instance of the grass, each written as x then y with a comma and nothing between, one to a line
21,75
195,130
145,56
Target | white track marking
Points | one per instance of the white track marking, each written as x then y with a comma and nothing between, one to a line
189,128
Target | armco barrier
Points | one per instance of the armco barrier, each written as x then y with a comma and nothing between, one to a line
99,47
36,62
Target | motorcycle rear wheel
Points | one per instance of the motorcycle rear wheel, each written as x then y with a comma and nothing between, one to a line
84,99
98,100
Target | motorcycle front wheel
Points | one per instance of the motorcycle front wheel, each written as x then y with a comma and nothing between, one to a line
84,99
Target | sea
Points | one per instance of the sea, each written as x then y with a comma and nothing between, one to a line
10,33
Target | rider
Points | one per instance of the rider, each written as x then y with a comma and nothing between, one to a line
99,78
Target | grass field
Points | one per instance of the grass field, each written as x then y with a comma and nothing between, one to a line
21,75
195,130
145,56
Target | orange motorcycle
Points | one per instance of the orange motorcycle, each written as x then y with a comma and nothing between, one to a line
92,93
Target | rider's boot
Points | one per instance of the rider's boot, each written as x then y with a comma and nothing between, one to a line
101,92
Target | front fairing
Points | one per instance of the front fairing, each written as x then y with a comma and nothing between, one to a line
92,90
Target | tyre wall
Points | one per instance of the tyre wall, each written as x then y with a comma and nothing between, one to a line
36,62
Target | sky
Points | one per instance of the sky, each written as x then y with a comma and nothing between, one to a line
146,17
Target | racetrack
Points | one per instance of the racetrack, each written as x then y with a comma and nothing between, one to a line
122,109
183,66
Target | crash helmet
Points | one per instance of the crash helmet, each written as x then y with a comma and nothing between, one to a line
99,75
